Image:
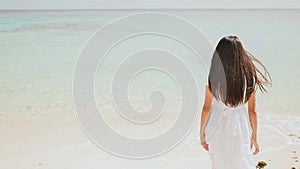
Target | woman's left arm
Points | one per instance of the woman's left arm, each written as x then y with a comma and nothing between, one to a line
205,115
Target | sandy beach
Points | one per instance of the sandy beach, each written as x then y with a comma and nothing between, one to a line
60,143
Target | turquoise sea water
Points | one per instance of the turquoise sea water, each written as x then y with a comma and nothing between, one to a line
38,52
39,48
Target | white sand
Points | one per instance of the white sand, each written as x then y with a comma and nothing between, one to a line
57,143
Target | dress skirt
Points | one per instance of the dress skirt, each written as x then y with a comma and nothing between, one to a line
228,133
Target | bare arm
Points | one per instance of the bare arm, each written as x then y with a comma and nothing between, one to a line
205,115
253,121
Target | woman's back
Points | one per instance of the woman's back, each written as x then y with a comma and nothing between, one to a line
232,115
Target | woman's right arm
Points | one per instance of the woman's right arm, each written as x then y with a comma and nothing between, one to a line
253,121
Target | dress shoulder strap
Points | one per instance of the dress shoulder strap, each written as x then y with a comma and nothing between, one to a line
245,87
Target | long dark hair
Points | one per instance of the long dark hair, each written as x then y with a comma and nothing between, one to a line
233,72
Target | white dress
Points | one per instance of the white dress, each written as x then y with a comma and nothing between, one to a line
228,133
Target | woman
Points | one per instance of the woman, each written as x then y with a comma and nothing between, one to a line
228,129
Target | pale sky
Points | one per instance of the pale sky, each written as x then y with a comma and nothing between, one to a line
152,4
